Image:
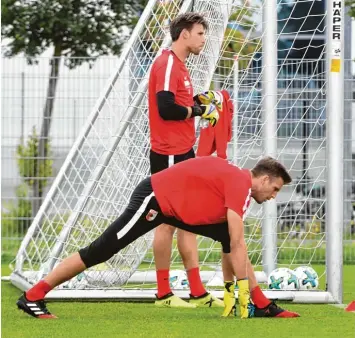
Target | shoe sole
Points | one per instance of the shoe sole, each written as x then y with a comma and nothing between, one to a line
207,305
214,303
176,306
23,308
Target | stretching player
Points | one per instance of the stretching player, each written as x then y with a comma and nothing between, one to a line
207,196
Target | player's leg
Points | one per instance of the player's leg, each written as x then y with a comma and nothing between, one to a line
205,299
132,224
187,246
263,306
99,251
219,232
162,243
163,238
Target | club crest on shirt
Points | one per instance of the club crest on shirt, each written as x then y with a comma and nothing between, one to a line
151,215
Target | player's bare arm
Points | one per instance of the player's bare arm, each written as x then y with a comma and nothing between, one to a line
238,256
238,259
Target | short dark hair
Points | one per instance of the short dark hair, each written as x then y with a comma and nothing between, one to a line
271,167
185,21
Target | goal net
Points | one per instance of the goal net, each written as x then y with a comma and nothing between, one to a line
110,156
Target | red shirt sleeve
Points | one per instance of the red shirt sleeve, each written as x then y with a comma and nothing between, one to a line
237,194
167,76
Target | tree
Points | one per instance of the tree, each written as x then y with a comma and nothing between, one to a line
351,7
73,29
239,40
28,164
17,215
234,42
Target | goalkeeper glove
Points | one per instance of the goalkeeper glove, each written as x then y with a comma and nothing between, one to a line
229,300
210,97
244,297
207,112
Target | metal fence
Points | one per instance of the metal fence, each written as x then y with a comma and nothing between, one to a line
24,89
24,94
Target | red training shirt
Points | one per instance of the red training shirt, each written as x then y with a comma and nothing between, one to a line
199,191
170,74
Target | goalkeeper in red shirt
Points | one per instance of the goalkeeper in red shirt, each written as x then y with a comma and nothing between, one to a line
206,196
172,111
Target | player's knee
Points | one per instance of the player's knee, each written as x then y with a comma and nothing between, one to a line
186,237
97,252
164,232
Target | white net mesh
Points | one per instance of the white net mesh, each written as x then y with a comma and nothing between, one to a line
111,156
300,132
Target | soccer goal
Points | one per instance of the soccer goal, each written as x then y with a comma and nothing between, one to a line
281,109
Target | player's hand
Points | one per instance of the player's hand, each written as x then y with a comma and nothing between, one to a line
210,97
207,112
229,300
210,113
243,297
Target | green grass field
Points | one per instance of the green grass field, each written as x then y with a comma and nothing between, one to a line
116,319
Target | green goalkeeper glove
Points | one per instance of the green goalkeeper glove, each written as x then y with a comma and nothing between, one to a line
210,97
229,300
243,297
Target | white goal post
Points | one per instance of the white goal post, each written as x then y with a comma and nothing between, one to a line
281,105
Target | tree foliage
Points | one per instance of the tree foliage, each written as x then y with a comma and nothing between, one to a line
29,166
351,7
236,42
17,215
74,28
78,30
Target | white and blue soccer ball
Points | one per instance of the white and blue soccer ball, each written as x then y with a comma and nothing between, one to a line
178,280
307,278
283,279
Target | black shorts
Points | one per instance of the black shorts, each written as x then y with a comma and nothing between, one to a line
141,215
218,231
159,162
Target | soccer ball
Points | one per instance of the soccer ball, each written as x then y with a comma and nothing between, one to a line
283,279
178,280
307,278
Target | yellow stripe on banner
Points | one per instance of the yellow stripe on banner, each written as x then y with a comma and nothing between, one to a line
335,66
